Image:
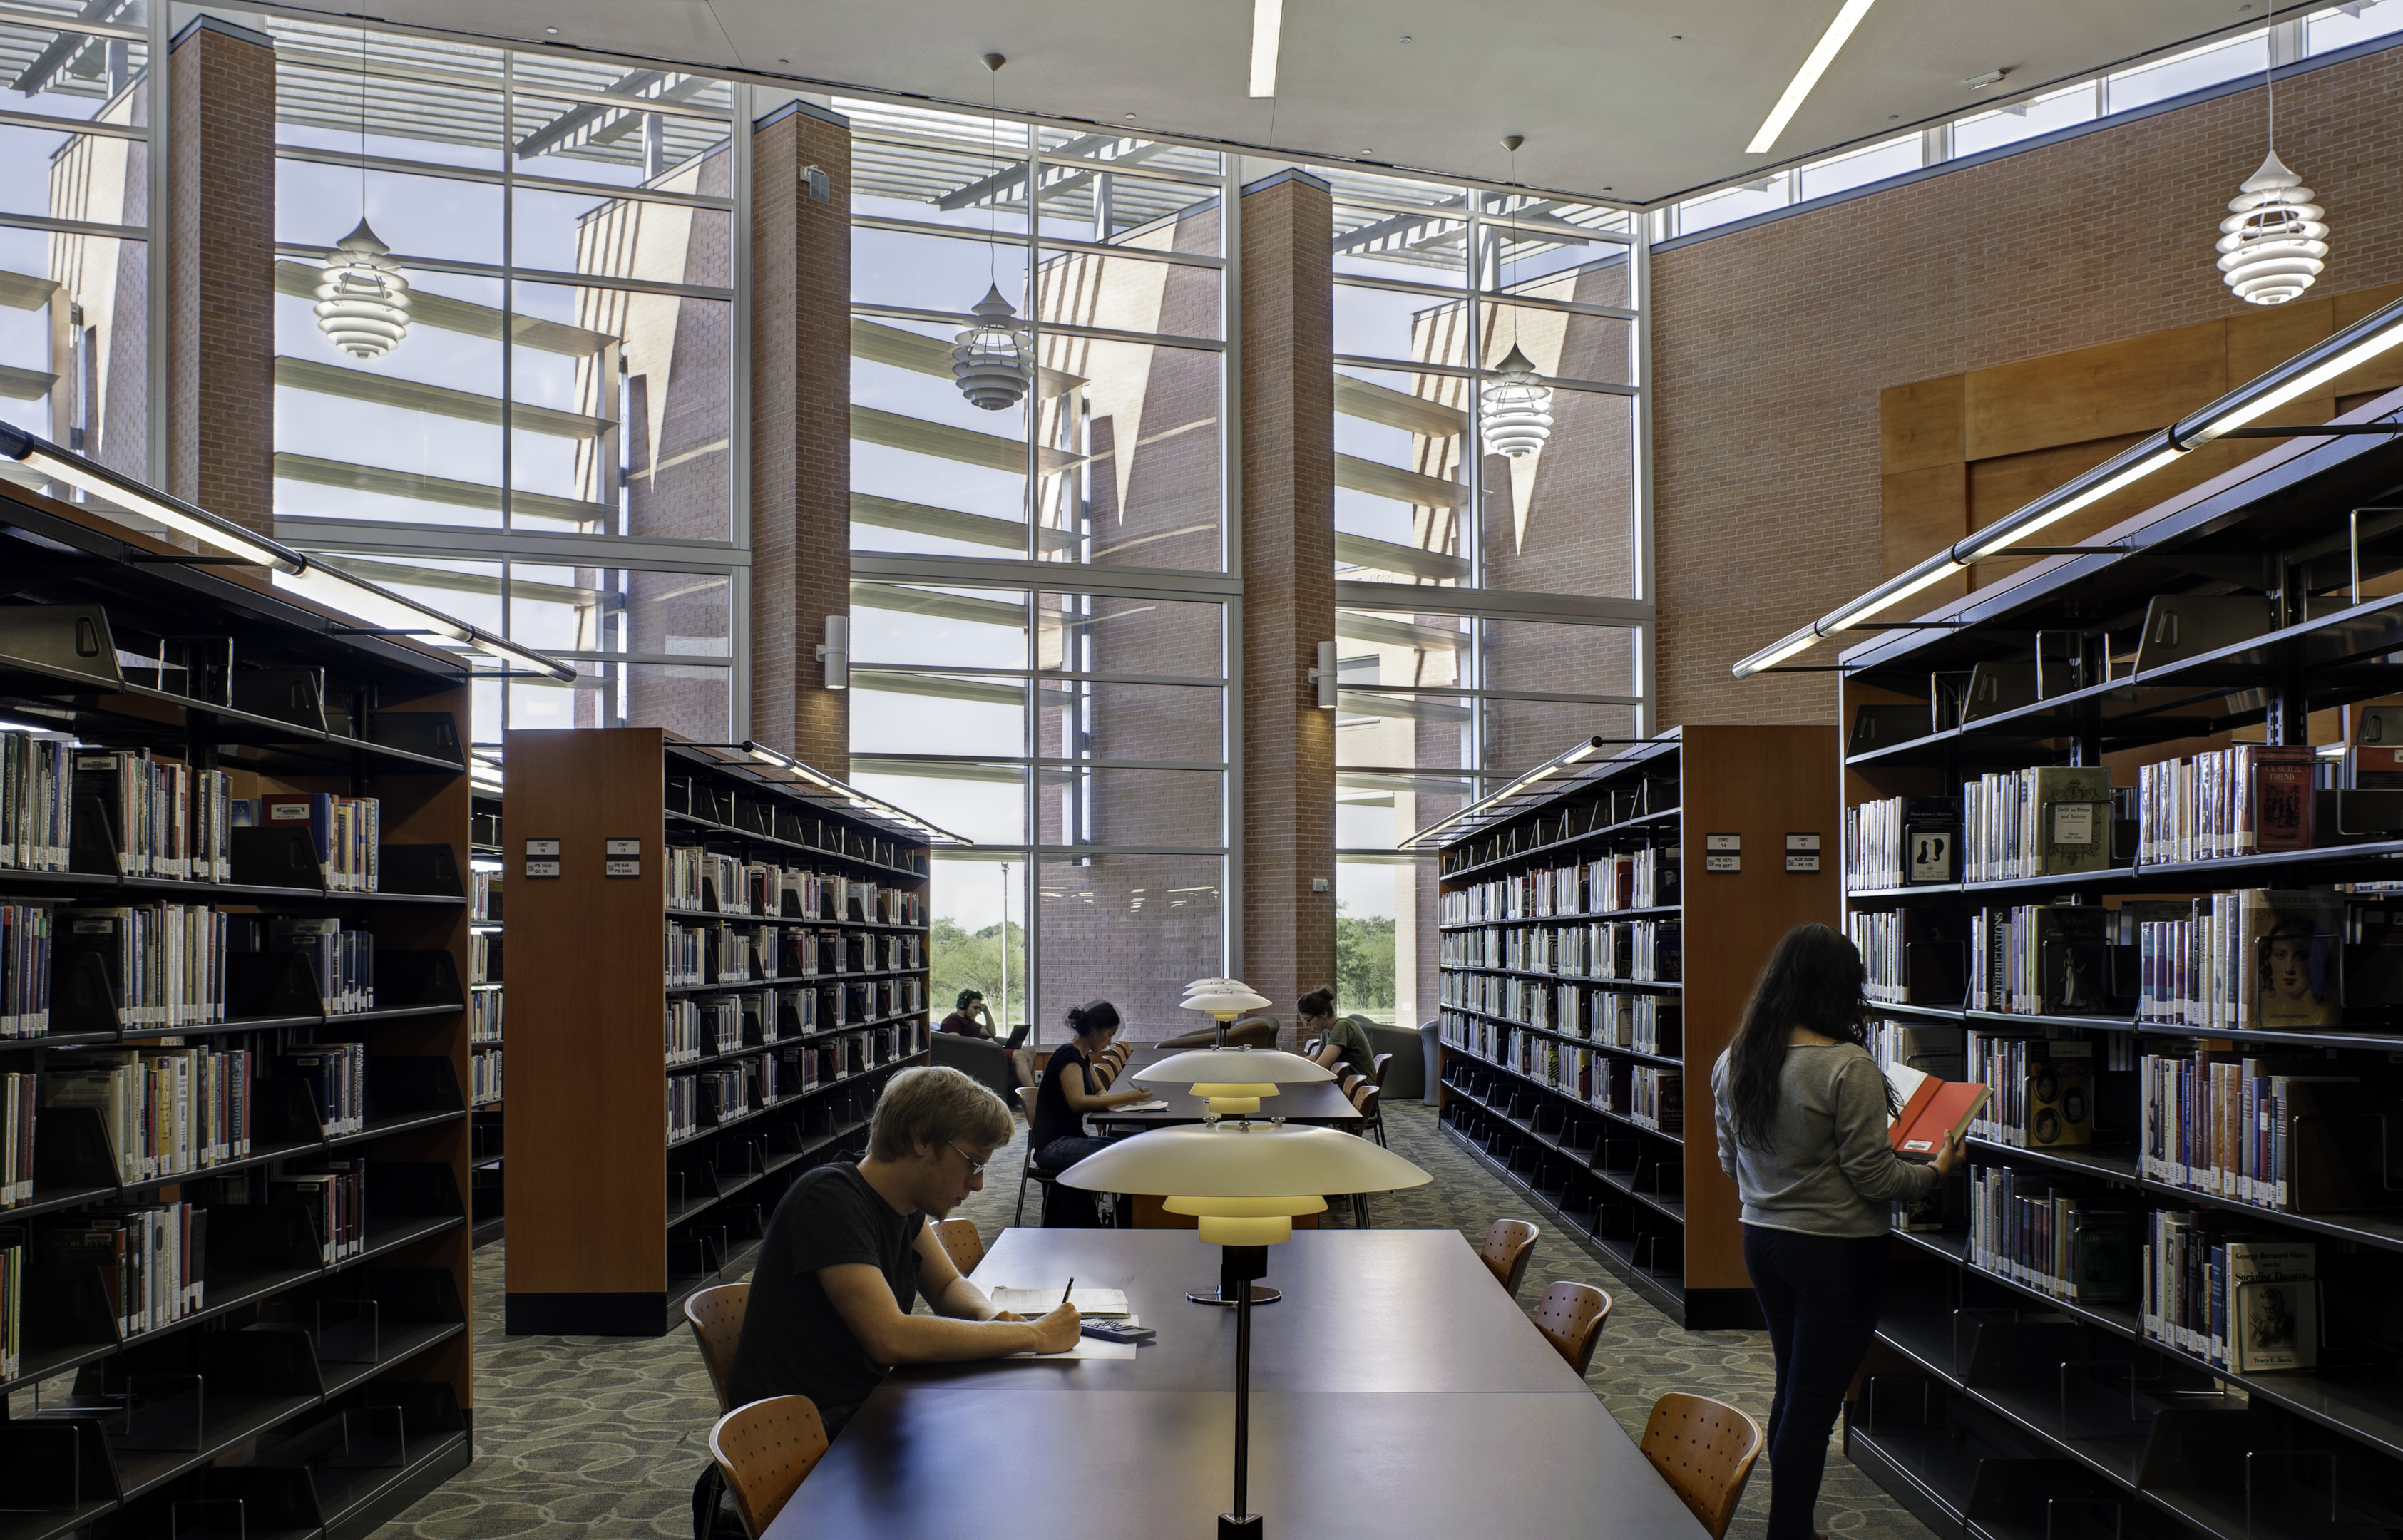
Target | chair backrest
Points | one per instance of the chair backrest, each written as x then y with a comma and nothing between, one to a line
1257,1031
1105,1071
1377,1069
1310,1050
1508,1246
1705,1449
1026,1095
1363,1096
961,1244
1570,1316
765,1449
715,1316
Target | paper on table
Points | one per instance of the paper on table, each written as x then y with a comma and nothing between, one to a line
1035,1303
1087,1347
1155,1104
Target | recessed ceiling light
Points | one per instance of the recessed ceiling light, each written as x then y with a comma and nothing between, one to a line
1815,66
1676,37
551,31
1991,77
1406,38
784,60
1267,21
1129,117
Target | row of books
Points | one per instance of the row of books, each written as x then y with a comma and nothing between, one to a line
704,1099
1645,1024
12,1303
2264,1130
1639,879
36,799
165,962
2050,1237
484,1016
19,1093
483,957
341,963
2248,1303
151,1259
484,1076
336,1077
1900,840
484,895
2046,821
705,881
2241,801
2043,1090
2042,959
165,1111
334,1194
2254,958
346,832
1634,950
699,1027
168,819
26,937
1648,1095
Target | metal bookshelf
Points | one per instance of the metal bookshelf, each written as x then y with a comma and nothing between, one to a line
609,1235
487,1141
127,642
1992,1406
1728,804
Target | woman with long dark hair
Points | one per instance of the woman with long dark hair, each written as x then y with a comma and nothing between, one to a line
1801,1110
1066,1093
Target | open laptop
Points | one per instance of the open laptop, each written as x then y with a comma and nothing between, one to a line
1017,1038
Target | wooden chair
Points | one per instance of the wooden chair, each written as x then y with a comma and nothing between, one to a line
1377,1069
1310,1050
963,1244
715,1316
1570,1316
1370,1100
1705,1449
1509,1245
765,1449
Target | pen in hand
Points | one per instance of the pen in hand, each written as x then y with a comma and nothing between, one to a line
1064,1292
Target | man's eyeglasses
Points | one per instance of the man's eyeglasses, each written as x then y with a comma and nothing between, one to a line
976,1167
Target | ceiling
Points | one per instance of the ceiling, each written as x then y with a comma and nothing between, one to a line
1640,99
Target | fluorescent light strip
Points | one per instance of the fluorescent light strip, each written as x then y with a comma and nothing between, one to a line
2091,495
1268,21
1830,43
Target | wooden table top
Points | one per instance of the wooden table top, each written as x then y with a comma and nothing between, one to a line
1397,1391
1317,1102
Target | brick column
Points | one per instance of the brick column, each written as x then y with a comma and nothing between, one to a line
800,428
220,231
1287,743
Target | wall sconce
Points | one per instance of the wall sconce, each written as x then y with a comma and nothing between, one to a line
1325,675
835,652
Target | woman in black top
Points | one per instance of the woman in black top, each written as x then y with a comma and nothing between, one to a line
1058,1137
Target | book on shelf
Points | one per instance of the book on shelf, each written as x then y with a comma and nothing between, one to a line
2046,820
1901,841
1932,1111
19,1092
12,1302
27,942
2051,1236
2265,1305
2043,1090
36,797
2245,799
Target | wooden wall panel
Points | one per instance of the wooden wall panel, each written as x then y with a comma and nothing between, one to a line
1923,511
586,1178
1920,425
1761,783
2126,387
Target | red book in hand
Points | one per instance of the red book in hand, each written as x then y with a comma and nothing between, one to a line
1934,1112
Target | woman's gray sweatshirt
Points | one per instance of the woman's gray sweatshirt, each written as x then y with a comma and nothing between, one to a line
1828,1168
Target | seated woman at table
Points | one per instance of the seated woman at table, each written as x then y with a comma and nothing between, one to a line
1069,1092
1341,1041
850,1250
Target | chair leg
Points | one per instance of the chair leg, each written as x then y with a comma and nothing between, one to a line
1020,1220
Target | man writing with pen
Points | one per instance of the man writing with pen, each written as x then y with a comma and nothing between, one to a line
850,1250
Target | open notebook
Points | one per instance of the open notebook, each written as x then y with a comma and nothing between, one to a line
1932,1110
1033,1303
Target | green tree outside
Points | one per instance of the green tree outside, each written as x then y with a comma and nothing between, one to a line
973,962
1364,963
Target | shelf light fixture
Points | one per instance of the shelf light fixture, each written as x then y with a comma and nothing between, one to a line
327,585
2235,413
777,758
1575,754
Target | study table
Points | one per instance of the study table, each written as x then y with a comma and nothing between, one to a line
1315,1101
1397,1391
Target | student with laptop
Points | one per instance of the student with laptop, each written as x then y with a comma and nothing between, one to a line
972,1018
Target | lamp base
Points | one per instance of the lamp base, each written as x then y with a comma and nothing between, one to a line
1261,1295
1239,1526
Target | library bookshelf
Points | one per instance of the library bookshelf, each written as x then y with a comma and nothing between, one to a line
1575,1053
292,1351
2047,1358
622,1203
486,1040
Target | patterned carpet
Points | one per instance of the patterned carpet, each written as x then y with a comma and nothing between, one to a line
601,1436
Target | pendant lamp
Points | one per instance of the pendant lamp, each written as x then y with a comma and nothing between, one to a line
990,362
363,300
1514,409
2274,240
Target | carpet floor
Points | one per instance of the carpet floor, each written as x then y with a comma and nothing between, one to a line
583,1437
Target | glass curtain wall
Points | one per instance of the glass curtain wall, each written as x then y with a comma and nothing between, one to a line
551,449
1040,618
75,109
1486,614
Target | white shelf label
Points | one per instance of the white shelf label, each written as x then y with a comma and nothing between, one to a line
542,869
1801,841
1723,842
1801,863
1722,864
621,847
542,847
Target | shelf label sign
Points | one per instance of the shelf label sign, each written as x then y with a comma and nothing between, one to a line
542,858
621,858
1722,853
1802,852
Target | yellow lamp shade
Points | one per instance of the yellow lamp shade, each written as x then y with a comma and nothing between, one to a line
1240,1177
1255,1091
1245,1221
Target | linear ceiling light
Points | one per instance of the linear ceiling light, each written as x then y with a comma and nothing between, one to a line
2303,375
1268,19
1830,43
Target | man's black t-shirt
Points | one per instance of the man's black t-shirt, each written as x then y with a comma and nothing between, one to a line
1054,1118
960,1025
793,1340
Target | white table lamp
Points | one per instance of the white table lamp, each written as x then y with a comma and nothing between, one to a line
1223,998
1245,1181
1233,1079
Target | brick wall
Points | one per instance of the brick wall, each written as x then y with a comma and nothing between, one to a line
220,231
800,425
1287,744
1771,345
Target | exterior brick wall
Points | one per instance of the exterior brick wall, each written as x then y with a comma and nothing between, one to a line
1287,744
800,432
220,231
1771,345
